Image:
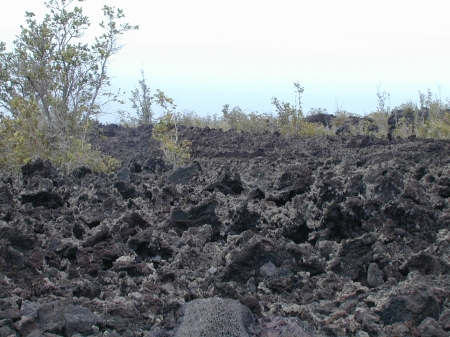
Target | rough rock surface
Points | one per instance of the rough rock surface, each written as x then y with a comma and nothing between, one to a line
334,236
215,317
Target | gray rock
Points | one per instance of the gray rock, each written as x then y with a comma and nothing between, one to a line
374,275
251,286
414,307
51,318
183,175
444,320
368,320
111,334
400,231
124,174
285,327
397,329
362,334
4,322
6,331
215,317
30,309
268,270
78,320
25,325
36,333
430,328
127,333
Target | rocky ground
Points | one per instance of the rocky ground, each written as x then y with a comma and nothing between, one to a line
259,235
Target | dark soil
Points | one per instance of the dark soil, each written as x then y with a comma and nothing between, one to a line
349,236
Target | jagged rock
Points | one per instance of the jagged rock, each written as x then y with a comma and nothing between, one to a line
37,333
349,234
79,320
228,184
126,189
444,320
30,309
38,167
183,175
374,275
26,325
204,214
285,327
51,317
215,317
430,328
124,174
420,303
268,270
6,332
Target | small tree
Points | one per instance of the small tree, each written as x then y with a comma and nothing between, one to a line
381,116
55,82
142,103
290,117
176,151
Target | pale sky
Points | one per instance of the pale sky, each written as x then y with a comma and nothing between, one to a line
205,54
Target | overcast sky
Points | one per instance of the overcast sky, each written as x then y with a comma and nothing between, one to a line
205,54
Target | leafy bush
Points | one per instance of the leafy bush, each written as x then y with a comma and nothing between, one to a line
317,111
142,102
51,87
176,151
25,138
291,121
431,120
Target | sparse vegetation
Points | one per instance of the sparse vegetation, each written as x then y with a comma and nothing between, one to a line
142,103
166,130
52,86
431,120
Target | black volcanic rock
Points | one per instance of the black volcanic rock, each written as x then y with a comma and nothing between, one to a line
341,236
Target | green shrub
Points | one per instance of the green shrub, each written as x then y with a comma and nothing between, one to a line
380,120
176,152
51,87
26,137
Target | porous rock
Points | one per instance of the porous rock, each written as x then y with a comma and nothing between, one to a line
78,320
215,317
374,275
349,234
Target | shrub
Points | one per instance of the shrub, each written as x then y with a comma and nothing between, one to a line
380,121
176,151
25,138
142,102
54,86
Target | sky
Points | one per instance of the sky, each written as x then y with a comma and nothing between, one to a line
205,54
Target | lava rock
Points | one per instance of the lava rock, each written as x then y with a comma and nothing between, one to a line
214,317
374,275
79,320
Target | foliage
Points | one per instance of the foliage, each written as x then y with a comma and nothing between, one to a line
234,118
431,120
166,131
192,119
288,116
25,138
291,121
142,102
55,85
340,119
380,120
317,111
